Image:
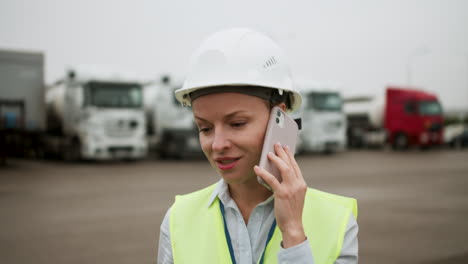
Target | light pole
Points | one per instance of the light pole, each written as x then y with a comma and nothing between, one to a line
463,115
466,110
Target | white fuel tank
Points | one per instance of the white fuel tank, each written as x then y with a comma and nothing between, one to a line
55,102
376,112
370,107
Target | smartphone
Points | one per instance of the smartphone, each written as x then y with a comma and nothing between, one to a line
283,129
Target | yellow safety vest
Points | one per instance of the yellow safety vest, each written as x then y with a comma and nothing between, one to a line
197,230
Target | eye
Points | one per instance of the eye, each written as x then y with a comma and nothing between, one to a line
204,129
238,124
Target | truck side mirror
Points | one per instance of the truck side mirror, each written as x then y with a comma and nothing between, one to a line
166,79
71,74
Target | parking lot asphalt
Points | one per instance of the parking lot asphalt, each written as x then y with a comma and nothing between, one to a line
413,206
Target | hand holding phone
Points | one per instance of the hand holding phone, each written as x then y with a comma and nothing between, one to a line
281,129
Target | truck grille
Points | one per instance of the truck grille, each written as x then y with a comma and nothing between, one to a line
121,149
435,127
333,126
120,128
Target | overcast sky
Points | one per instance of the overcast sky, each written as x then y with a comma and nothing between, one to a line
363,44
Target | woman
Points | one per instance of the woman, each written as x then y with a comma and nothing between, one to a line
235,78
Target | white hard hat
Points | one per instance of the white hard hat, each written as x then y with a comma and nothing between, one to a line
239,58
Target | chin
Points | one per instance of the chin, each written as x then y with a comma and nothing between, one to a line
230,177
238,178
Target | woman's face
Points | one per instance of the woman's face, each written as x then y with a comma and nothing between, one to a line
232,127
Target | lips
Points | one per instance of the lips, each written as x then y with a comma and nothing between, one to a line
226,163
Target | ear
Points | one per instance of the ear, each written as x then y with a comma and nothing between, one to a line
282,106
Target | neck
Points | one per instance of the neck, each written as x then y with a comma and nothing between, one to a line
247,195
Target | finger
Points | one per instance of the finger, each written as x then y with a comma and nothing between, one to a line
293,162
268,178
280,152
282,166
289,155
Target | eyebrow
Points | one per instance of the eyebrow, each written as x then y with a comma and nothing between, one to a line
226,117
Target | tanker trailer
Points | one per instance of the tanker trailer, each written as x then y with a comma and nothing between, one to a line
96,115
364,122
171,129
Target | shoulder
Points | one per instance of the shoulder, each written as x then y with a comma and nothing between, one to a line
190,209
314,196
197,199
207,191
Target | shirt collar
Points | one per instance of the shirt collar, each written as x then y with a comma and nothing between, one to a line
221,191
221,188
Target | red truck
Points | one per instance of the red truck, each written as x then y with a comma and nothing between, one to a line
402,118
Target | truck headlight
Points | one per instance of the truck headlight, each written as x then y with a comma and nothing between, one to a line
424,137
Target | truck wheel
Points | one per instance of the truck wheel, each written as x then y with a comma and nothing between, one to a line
168,148
173,147
328,151
458,144
164,148
400,142
177,148
163,155
72,151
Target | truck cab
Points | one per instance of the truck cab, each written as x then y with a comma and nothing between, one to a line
99,116
323,120
413,117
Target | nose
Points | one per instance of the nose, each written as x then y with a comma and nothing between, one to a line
220,141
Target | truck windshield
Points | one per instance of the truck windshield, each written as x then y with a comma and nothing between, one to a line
325,101
114,95
430,108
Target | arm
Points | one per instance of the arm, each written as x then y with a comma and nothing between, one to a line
289,204
165,247
350,249
289,195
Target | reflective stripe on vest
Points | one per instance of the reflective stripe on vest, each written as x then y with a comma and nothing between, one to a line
197,231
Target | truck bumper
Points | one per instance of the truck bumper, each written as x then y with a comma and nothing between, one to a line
323,145
430,139
115,151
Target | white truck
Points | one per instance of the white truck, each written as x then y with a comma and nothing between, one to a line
171,129
96,114
323,120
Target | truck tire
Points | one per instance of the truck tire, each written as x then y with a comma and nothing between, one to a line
177,147
72,152
400,142
164,146
173,147
167,147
